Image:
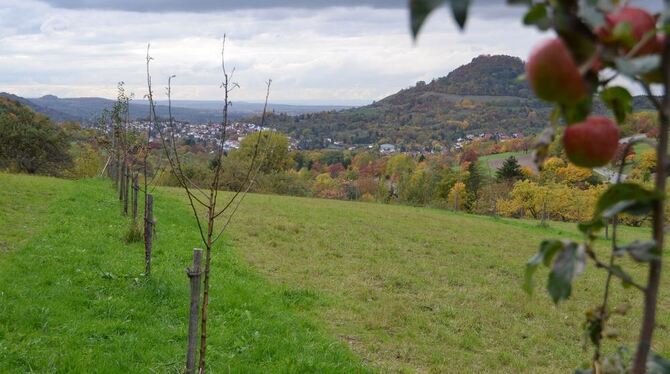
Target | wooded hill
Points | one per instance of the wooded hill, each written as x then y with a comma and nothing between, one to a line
484,96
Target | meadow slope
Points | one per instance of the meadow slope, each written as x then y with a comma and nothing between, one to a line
73,300
300,285
425,290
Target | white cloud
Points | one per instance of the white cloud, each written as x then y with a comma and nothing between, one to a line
319,54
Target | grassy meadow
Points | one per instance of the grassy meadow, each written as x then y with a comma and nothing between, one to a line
299,285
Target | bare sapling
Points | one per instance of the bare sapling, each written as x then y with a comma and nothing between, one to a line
211,217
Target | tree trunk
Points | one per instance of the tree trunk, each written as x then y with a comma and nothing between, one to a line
654,276
205,297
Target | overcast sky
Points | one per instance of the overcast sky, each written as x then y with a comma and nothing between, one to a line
316,51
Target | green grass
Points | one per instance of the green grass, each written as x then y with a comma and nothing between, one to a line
640,148
422,290
501,156
72,298
406,289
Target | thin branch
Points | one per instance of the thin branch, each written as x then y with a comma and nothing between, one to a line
152,118
255,154
610,270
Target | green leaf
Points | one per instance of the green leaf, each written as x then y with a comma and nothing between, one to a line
641,251
617,208
548,249
537,15
657,364
459,9
619,100
419,11
637,66
626,198
577,112
568,264
583,371
590,14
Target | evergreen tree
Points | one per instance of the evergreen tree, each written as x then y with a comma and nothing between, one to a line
510,170
472,184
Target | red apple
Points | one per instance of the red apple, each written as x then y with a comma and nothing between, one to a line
553,73
641,23
591,143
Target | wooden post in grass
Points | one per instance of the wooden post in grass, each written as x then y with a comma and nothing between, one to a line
194,277
136,189
126,191
115,173
148,228
122,178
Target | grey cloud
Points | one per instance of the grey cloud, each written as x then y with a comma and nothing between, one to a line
199,6
214,5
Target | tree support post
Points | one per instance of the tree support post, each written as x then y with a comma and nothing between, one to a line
121,178
136,189
126,191
194,274
148,228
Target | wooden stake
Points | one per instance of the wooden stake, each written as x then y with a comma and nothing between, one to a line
136,189
122,179
148,226
194,278
126,192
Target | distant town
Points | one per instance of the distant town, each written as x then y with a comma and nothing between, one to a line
208,134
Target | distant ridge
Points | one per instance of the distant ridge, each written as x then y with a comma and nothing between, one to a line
53,114
88,109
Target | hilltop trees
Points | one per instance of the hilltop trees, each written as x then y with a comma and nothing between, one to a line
29,142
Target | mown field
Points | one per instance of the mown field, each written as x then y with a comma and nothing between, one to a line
300,285
491,163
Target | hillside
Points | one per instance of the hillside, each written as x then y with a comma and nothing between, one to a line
484,96
53,114
301,285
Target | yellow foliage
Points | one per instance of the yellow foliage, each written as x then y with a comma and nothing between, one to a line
573,174
367,197
555,201
457,195
647,161
552,164
527,172
87,163
467,104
